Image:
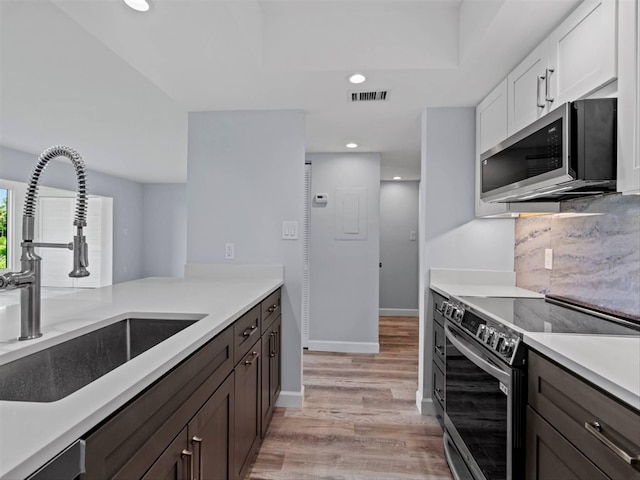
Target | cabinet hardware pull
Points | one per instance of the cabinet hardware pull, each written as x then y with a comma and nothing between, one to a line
198,441
538,80
437,393
547,84
595,429
249,331
272,308
250,362
188,453
439,349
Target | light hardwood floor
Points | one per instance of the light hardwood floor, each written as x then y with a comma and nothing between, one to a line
359,419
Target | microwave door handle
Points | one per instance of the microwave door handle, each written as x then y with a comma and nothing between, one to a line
480,362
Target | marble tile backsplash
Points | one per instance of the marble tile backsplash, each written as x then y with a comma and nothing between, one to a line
596,252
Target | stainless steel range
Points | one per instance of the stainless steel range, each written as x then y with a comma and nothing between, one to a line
485,377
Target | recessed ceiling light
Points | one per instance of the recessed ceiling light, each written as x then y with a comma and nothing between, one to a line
397,178
357,78
351,145
139,5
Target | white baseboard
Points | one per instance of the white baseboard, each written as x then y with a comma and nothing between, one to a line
398,312
344,347
425,405
290,399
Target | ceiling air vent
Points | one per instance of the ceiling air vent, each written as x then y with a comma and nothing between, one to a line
376,96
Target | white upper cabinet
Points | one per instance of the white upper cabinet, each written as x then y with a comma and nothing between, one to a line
582,52
629,97
578,58
491,118
491,129
526,89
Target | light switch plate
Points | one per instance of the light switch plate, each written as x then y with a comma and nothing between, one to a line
289,230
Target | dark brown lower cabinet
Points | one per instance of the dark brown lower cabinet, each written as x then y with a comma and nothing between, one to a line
271,371
576,430
175,463
203,420
551,456
247,409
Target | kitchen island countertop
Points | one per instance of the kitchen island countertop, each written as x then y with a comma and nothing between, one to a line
33,433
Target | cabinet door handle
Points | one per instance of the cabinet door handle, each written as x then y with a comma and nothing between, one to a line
272,344
250,362
439,349
198,441
189,455
437,393
540,78
547,85
272,308
595,429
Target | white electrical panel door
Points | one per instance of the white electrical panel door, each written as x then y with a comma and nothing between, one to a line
350,214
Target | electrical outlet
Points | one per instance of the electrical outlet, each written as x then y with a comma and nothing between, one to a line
229,251
548,258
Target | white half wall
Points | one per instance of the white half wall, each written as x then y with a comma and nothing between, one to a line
245,176
344,273
451,236
164,223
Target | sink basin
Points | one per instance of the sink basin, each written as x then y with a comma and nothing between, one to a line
60,370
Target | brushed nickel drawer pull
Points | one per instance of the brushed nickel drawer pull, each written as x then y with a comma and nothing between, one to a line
250,362
595,429
249,331
272,308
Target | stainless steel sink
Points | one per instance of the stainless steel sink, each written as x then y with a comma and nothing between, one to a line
60,370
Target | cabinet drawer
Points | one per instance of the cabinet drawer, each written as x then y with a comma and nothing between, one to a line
127,444
246,331
570,404
438,345
271,309
550,455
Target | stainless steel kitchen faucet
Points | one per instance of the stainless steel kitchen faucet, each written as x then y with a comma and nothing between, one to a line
28,278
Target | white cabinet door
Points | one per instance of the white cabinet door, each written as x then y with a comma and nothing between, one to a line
582,52
491,129
525,89
629,97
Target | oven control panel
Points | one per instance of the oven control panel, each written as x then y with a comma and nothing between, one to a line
488,332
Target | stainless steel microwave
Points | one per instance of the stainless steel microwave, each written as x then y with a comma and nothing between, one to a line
569,152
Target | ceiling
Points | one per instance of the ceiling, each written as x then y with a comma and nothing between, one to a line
117,85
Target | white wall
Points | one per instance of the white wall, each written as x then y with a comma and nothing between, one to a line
450,235
398,253
245,176
164,224
17,166
344,273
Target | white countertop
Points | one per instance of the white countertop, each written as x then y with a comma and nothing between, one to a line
476,290
477,283
33,433
610,362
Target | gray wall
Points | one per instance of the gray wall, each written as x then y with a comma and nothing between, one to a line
344,273
164,224
127,204
398,253
450,235
596,258
245,176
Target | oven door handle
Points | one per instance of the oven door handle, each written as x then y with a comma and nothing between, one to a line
471,353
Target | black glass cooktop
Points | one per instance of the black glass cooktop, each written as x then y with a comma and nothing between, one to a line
541,315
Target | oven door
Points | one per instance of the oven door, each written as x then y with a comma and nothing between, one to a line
478,411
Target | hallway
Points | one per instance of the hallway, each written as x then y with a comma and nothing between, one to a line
359,419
